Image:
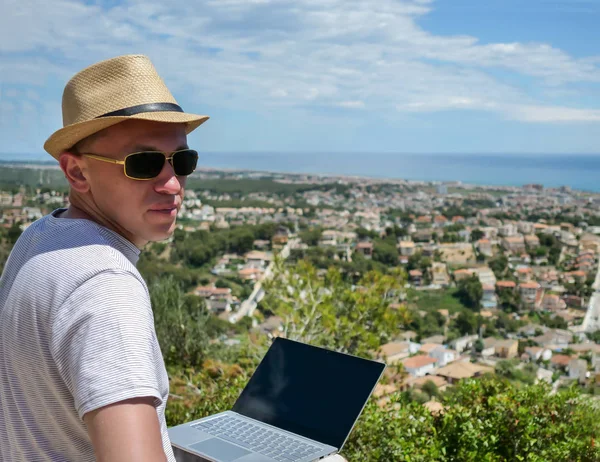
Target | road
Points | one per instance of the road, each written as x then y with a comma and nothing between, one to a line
248,306
591,322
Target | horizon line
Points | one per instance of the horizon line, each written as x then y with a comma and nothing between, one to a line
401,153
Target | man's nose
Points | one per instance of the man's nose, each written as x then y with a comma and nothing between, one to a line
167,181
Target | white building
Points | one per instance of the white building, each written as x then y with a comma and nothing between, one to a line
463,343
537,353
507,230
577,369
443,355
420,365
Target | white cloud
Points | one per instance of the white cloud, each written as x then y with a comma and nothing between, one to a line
279,93
447,103
544,114
352,104
364,54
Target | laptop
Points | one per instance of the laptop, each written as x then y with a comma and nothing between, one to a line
300,405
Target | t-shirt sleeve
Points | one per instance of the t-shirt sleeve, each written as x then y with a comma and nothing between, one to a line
104,343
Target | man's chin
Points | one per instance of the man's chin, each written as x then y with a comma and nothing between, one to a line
161,234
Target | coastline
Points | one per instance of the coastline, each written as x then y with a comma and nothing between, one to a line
580,172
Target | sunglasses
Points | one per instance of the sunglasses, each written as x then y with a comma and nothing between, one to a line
147,165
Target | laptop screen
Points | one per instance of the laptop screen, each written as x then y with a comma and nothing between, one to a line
311,391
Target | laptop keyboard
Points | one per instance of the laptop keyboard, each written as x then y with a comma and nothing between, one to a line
278,446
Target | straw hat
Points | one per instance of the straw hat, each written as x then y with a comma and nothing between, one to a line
111,91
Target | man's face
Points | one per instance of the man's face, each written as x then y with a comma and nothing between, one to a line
144,210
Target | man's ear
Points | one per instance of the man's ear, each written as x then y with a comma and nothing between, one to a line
72,166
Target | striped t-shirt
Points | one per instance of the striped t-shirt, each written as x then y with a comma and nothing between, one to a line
76,334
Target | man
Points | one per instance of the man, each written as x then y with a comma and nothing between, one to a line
82,377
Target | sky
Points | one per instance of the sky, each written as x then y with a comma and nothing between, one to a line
393,76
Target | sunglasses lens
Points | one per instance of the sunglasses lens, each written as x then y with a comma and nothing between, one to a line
144,165
184,162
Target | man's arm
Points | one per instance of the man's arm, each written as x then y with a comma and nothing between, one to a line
127,431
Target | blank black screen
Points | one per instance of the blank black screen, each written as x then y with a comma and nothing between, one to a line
314,392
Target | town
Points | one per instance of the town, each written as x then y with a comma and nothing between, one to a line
497,279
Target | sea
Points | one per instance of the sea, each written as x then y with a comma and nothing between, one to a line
579,171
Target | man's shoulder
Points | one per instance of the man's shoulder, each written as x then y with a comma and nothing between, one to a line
72,250
82,240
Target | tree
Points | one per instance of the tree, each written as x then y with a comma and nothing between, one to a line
499,265
476,235
483,420
241,240
504,323
385,253
432,324
487,419
311,236
431,389
450,238
414,262
509,370
509,300
554,255
554,246
595,336
14,232
363,233
330,312
470,292
466,322
479,345
180,323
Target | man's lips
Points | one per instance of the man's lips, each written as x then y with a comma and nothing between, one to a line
164,208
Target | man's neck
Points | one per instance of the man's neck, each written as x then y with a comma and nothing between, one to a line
74,212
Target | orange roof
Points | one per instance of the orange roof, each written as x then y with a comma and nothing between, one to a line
462,370
418,361
415,273
529,285
506,284
214,290
533,349
551,297
524,270
429,347
364,245
394,348
483,241
580,274
514,239
383,390
249,271
434,407
562,360
420,381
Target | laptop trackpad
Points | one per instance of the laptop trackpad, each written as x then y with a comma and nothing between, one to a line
219,449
